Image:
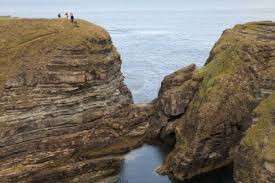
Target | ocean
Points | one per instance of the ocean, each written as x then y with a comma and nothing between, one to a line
156,43
152,45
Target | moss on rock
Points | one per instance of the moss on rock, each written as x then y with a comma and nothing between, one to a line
255,158
238,74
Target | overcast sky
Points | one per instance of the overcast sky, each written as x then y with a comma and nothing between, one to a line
141,4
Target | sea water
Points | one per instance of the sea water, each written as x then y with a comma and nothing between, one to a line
140,165
156,43
152,45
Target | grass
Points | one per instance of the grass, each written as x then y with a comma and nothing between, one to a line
30,43
263,132
218,75
26,41
259,141
227,61
227,79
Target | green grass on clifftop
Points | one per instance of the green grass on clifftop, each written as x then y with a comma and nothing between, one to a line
230,75
227,68
30,42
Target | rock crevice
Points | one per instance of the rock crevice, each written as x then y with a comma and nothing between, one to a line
67,116
65,111
238,75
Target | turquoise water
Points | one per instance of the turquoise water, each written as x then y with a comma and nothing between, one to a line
153,44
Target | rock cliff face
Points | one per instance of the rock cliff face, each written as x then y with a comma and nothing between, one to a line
66,115
255,157
210,109
63,103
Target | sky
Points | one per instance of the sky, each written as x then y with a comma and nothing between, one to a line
138,4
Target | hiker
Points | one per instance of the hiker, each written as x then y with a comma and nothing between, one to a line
72,17
67,15
59,15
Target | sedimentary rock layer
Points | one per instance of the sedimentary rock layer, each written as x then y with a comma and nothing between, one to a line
66,115
210,109
63,103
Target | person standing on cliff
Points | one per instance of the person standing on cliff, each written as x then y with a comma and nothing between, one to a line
72,17
59,15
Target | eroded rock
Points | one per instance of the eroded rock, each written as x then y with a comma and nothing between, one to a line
177,91
254,160
66,115
238,75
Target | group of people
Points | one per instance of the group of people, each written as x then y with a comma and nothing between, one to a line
67,16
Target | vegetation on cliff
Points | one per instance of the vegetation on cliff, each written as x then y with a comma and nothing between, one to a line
237,76
255,158
64,108
66,114
31,42
263,129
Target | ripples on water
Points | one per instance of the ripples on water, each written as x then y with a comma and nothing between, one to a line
156,43
153,44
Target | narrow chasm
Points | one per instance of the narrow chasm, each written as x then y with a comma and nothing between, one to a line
140,166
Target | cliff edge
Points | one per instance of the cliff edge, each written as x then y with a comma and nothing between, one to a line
210,109
63,103
67,116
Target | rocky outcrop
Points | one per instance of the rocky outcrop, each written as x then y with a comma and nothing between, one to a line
177,91
66,114
213,105
255,157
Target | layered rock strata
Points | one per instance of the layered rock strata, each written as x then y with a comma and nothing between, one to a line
210,109
64,106
66,115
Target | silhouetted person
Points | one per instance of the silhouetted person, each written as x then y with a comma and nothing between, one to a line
72,17
59,15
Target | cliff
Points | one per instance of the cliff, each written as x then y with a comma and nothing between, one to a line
67,116
210,109
63,104
255,157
